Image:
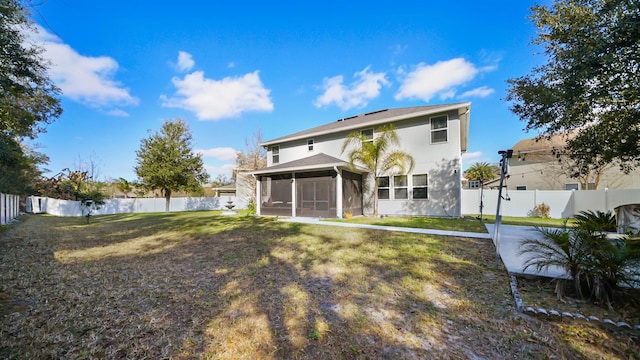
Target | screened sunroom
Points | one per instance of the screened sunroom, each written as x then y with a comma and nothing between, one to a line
317,186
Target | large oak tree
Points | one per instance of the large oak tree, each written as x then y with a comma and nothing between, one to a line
166,162
590,82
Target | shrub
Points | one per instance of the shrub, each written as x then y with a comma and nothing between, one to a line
541,210
597,264
596,221
251,207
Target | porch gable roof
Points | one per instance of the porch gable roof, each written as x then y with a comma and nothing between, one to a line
319,161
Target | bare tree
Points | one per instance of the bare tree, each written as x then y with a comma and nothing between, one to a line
254,157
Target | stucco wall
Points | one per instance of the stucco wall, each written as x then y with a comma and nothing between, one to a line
440,161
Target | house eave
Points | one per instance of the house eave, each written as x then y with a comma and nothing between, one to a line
294,169
462,106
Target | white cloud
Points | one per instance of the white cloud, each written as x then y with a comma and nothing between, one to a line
213,99
85,79
480,92
365,87
441,78
118,112
185,61
213,170
222,153
471,156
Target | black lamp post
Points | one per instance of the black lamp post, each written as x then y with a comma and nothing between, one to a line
504,168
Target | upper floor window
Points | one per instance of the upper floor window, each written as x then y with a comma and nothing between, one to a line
400,190
474,184
383,187
367,135
275,154
439,129
420,186
310,144
572,186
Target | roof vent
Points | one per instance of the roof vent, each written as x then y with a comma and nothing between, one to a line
375,112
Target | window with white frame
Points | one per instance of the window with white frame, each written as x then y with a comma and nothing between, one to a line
572,186
383,187
400,190
310,144
367,135
275,154
439,129
420,185
474,184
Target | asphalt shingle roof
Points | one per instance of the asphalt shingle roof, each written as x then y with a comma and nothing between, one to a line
370,118
317,161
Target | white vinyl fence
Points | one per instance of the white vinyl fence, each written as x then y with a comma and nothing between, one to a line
562,204
36,205
9,208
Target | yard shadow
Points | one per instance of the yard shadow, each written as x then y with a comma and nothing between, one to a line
249,287
443,190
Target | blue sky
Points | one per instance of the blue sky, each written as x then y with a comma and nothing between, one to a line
228,68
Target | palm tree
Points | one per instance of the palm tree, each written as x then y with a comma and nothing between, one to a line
377,156
481,171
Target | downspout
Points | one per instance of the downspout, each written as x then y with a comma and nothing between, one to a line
339,214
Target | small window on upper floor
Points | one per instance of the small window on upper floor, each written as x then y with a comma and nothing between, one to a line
474,184
572,186
310,144
275,154
439,129
521,187
367,135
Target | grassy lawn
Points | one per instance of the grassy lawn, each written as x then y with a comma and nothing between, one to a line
525,221
201,285
465,224
469,223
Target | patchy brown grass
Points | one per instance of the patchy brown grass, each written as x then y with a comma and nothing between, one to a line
200,285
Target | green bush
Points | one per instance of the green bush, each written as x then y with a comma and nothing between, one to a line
251,207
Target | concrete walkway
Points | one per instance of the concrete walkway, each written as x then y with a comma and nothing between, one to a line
509,244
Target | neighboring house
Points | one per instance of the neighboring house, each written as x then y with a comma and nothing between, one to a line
534,166
308,175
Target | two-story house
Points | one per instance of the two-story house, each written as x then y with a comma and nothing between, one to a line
539,164
308,175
